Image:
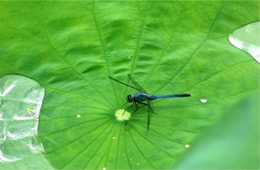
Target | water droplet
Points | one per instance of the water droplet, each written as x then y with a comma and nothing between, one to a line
113,137
78,116
203,100
246,38
137,163
104,168
22,98
187,146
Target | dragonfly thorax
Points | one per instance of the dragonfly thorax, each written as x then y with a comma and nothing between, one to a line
141,96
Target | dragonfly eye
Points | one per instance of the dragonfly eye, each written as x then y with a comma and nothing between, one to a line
129,98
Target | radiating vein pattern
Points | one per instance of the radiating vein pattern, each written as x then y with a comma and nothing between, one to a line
169,47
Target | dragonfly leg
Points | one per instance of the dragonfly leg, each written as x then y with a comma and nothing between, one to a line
128,108
148,105
136,107
131,105
150,108
148,120
125,124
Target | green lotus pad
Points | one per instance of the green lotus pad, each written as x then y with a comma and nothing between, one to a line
232,143
169,47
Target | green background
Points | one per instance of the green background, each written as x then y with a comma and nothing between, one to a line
70,48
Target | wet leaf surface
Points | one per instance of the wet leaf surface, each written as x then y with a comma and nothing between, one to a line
169,47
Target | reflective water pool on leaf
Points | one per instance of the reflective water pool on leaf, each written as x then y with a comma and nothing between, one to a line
20,103
247,38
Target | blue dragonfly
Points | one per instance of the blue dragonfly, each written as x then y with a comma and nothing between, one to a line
142,97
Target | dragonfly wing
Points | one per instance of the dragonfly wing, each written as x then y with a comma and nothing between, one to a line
123,83
136,84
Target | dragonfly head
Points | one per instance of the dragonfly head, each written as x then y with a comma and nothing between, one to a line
129,98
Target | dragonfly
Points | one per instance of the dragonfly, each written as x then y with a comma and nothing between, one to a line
142,97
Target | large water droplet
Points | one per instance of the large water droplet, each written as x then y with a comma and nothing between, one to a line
19,117
247,38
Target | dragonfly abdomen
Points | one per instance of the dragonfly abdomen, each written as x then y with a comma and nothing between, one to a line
153,97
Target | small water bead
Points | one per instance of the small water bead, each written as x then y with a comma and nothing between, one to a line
113,137
203,100
104,168
187,146
137,163
78,116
